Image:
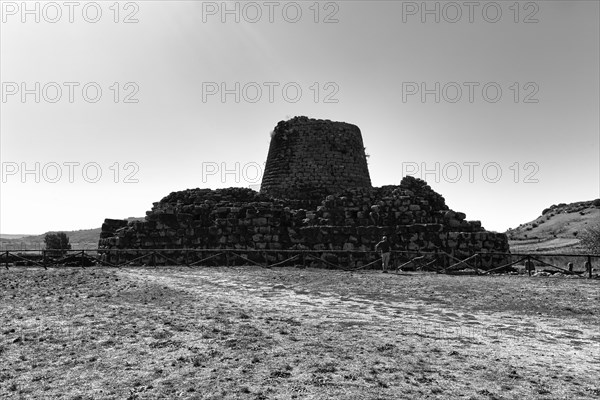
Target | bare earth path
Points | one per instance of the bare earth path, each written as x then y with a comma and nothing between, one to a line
251,333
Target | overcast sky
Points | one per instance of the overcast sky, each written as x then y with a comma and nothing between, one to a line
496,106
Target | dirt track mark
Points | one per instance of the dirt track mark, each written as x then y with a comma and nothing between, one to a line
520,336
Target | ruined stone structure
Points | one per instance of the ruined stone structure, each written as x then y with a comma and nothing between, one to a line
309,159
316,195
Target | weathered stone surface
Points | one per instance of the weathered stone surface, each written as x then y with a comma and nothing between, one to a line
309,159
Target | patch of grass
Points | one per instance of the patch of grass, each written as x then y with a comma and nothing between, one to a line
225,333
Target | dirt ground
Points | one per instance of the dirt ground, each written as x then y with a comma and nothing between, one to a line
288,333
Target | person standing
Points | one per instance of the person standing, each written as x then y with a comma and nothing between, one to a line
588,267
384,247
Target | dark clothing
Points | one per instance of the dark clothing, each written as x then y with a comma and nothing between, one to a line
384,246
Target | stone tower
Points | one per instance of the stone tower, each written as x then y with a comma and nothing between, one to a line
312,158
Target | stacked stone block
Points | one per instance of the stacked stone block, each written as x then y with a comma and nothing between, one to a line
309,159
353,220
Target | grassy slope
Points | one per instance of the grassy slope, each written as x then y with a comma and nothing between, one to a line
251,333
556,230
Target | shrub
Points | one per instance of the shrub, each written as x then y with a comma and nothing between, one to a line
590,239
58,241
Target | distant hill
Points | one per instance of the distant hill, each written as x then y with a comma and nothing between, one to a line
556,229
80,239
12,236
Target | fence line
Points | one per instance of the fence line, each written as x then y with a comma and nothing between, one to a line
347,260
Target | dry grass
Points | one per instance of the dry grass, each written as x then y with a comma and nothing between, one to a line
251,333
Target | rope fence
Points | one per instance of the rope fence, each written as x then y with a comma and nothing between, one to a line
352,260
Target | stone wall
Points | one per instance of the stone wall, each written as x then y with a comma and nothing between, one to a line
412,215
111,226
309,159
